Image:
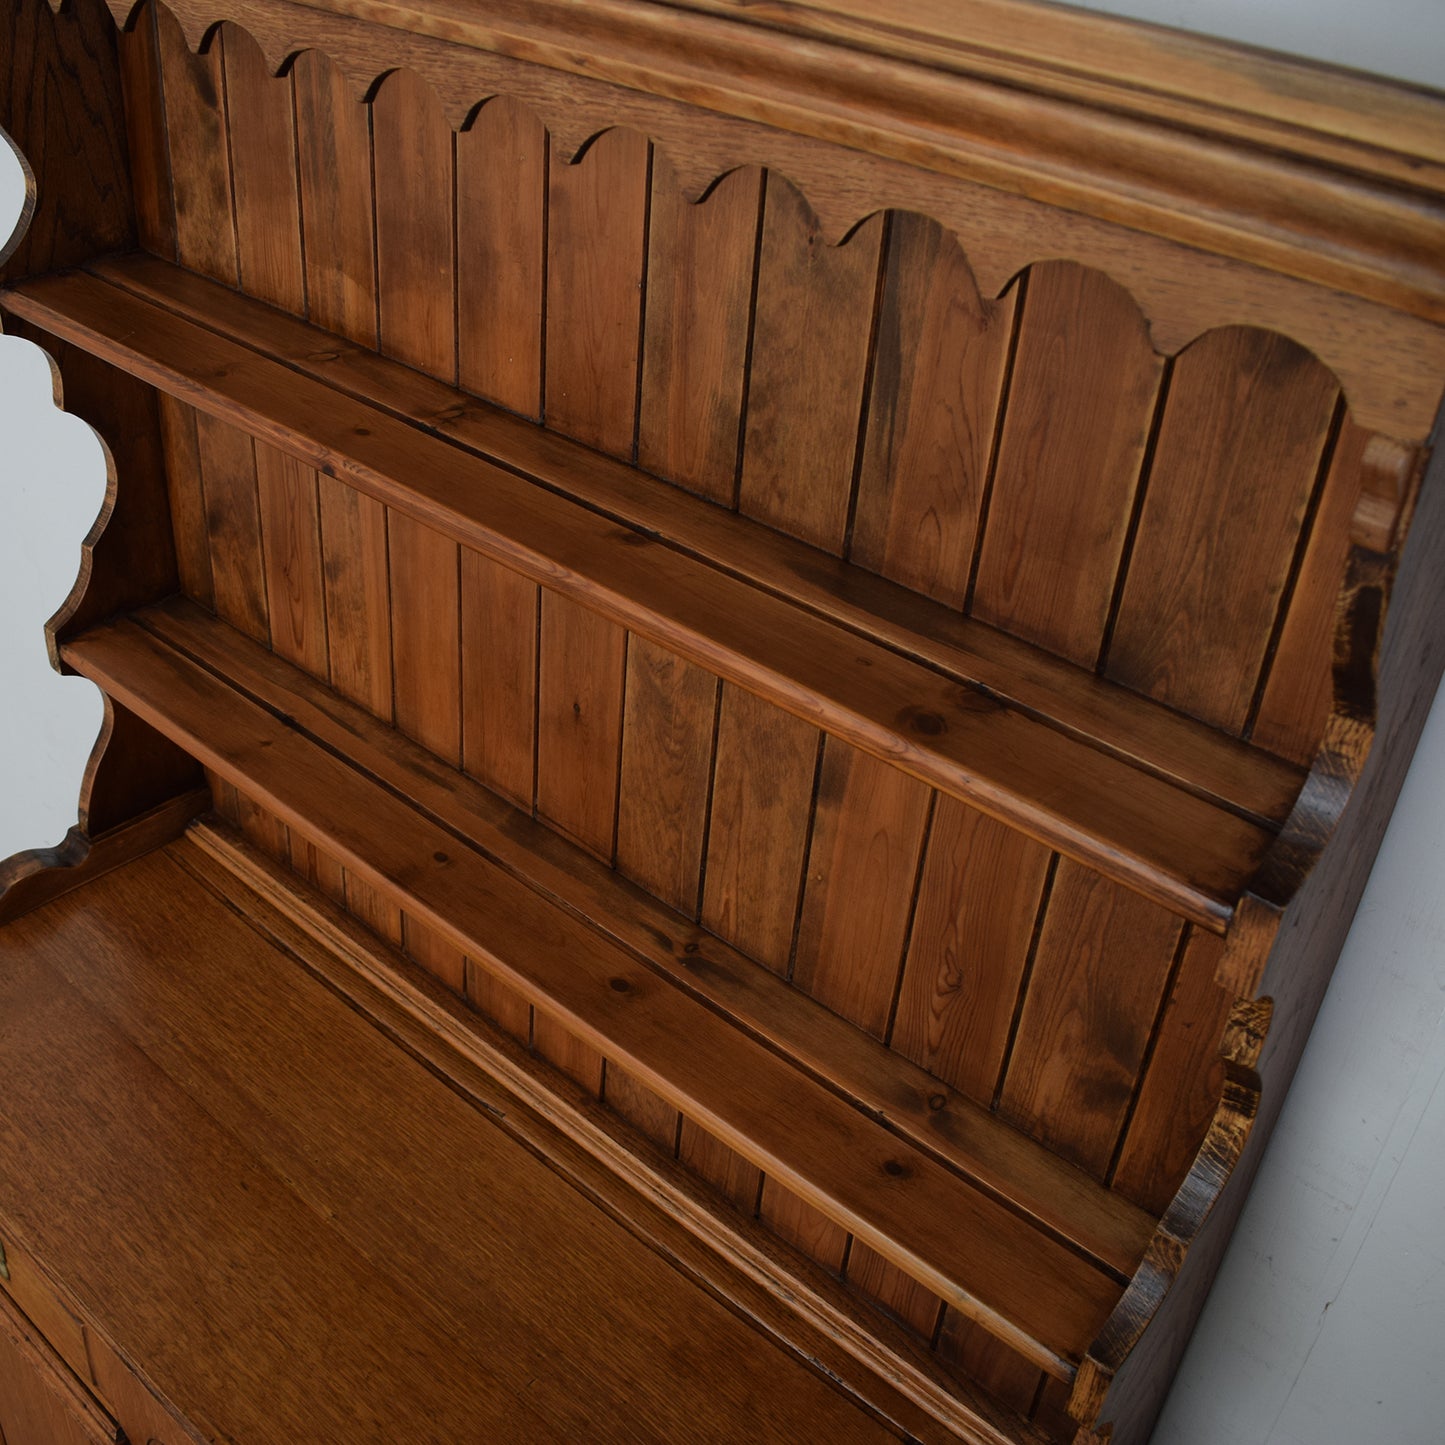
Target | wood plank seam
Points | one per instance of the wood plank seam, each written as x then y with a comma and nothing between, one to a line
1025,978
913,647
167,627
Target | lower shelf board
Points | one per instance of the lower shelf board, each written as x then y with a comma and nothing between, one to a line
299,1231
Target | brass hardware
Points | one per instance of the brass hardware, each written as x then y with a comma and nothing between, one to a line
4,1267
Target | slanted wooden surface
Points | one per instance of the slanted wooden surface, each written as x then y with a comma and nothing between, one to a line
171,1077
929,1222
1183,850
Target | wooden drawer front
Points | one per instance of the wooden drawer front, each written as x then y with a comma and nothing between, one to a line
142,1417
41,1401
39,1302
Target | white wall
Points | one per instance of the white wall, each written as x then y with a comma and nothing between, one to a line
1325,1326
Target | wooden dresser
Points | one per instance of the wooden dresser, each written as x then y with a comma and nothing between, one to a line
753,657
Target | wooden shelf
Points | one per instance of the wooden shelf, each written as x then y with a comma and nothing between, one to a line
1178,812
1002,1264
222,1152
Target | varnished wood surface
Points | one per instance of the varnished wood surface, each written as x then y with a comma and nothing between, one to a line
1383,355
171,1102
1069,698
921,1106
919,97
1175,847
892,1195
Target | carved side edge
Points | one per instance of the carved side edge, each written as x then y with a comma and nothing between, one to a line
1121,1349
1389,653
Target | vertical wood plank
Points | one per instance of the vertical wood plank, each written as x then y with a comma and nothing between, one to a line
701,260
1080,407
319,868
1297,695
579,722
426,639
333,156
888,1286
501,161
1102,964
1239,451
145,125
938,374
187,499
499,1002
645,1110
862,867
444,961
358,595
1182,1084
596,235
565,1051
192,89
724,1168
667,742
262,828
263,159
984,1358
379,914
761,805
808,1231
412,171
810,355
291,543
499,677
978,900
233,523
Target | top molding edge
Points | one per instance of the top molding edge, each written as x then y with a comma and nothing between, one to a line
1327,175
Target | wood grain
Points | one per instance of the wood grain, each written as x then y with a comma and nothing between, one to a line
1112,718
1080,405
233,524
889,1286
41,1403
500,620
291,543
333,159
805,1228
702,260
978,902
1093,995
1178,848
501,162
938,377
809,360
261,130
555,1042
443,960
579,722
358,595
1182,1085
644,1109
596,244
415,225
1237,462
734,1177
426,635
861,875
973,1141
667,757
187,499
145,129
832,1155
758,834
503,1005
192,87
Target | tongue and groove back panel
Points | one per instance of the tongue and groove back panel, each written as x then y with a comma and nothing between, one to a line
1029,459
1174,519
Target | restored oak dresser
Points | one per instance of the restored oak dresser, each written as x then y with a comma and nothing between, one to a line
753,657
